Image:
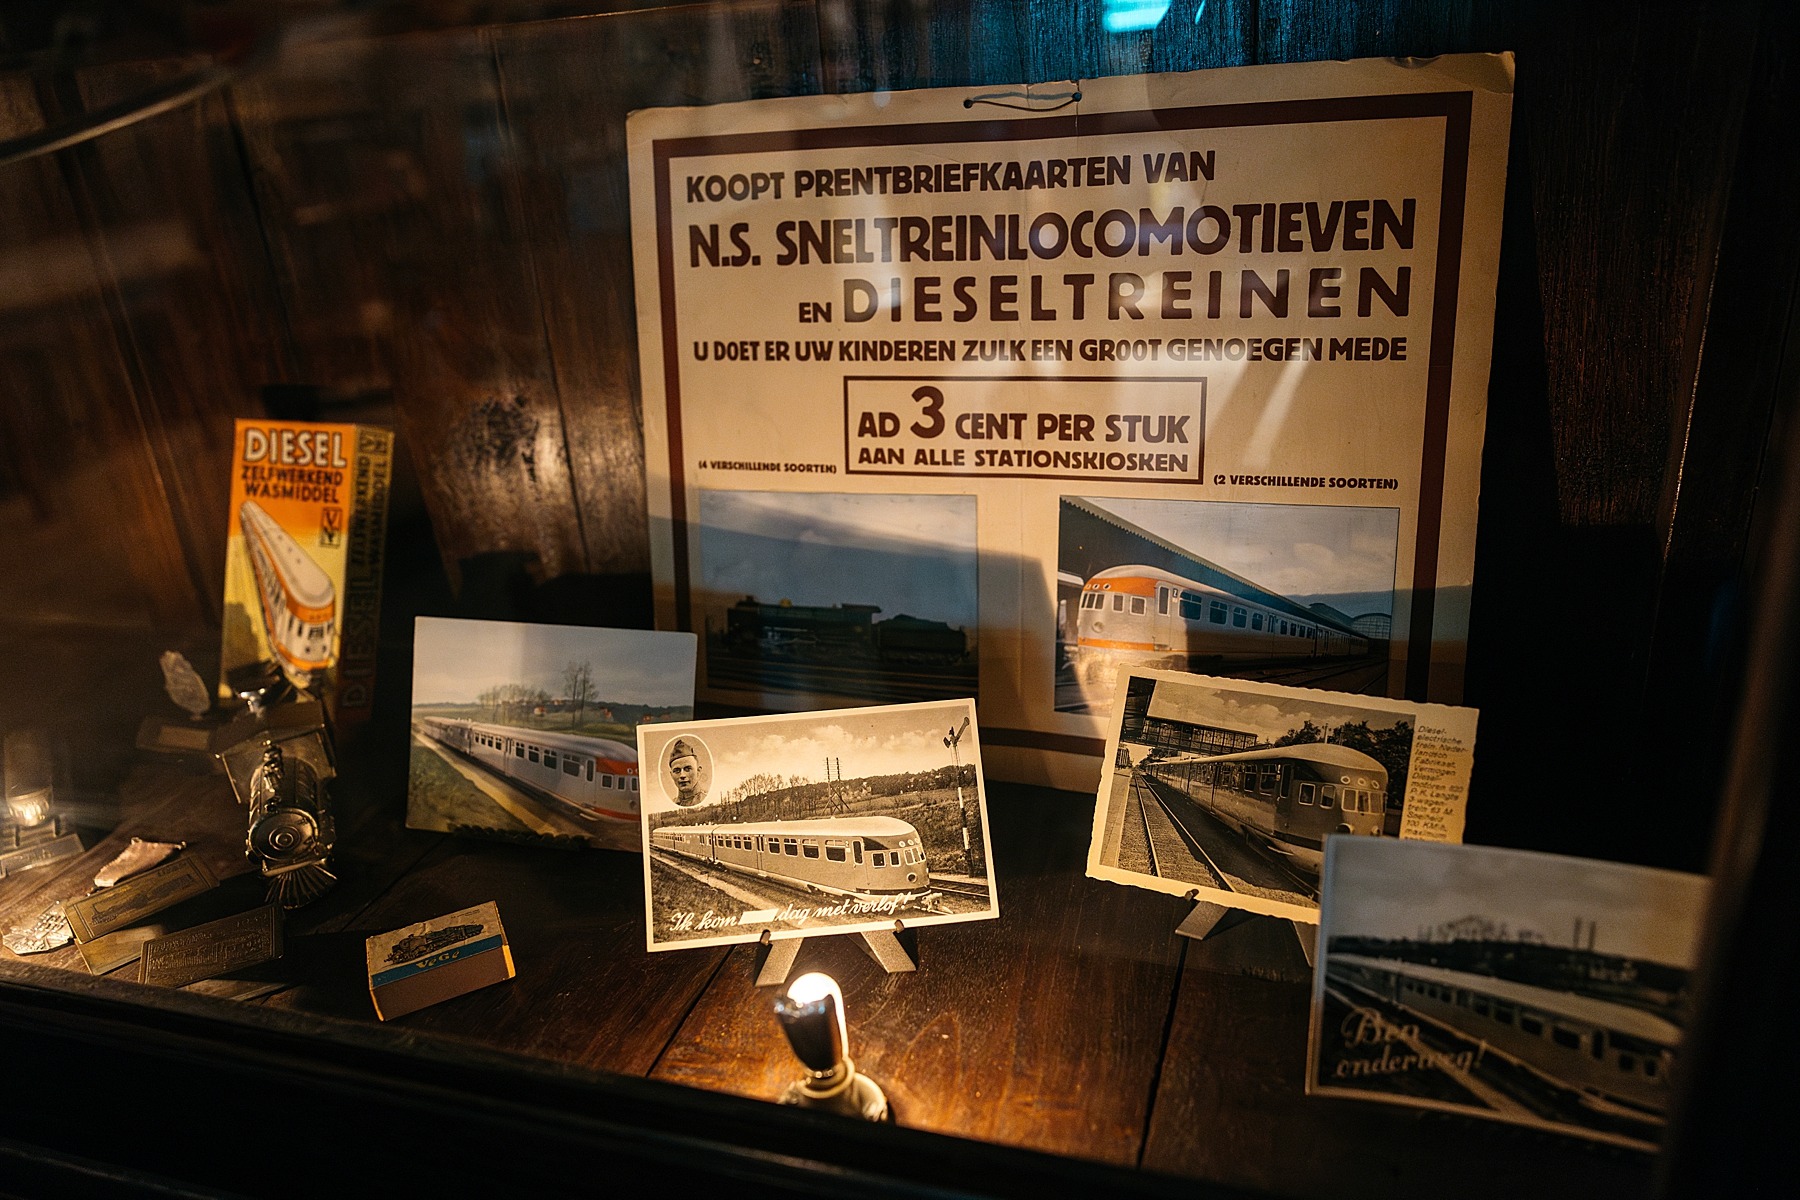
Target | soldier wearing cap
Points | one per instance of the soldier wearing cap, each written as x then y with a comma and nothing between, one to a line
684,768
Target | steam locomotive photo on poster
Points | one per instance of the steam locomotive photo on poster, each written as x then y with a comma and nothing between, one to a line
827,822
526,732
1524,987
1297,594
1234,787
813,599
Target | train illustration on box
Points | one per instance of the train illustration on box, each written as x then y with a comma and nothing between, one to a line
298,601
1613,1054
844,633
842,856
1287,798
1148,617
595,777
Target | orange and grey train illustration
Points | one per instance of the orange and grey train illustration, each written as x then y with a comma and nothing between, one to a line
1155,618
298,600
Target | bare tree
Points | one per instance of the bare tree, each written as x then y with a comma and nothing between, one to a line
578,682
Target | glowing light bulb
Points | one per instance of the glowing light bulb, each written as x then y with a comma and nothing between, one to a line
816,985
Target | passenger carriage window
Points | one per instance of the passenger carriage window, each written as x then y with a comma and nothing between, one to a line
533,752
877,858
1215,612
790,846
1650,1067
1118,602
1256,620
518,749
572,766
1327,795
809,849
1628,1062
1137,606
1531,1025
1482,1006
836,852
590,770
856,850
550,759
1306,793
1162,601
1238,617
1504,1012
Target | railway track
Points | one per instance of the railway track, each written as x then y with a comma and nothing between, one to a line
1169,831
960,887
1296,881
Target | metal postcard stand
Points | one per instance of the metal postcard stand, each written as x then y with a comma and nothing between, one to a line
895,951
1210,920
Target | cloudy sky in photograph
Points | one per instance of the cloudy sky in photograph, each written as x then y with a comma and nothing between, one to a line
1307,552
1266,716
1384,887
863,741
454,661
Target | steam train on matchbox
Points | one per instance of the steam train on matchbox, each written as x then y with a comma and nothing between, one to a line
1287,798
1149,617
843,856
596,777
298,601
840,633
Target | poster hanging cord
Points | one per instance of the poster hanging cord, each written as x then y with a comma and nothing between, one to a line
1005,99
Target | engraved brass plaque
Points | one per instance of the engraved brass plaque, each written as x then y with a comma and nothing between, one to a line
115,908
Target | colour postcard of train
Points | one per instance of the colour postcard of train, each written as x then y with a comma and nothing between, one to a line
303,558
528,732
1524,987
1231,789
801,825
1002,393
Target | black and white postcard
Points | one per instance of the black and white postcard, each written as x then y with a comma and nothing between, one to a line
1524,987
1231,788
829,822
526,732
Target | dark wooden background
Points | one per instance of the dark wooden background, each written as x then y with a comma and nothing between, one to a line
428,228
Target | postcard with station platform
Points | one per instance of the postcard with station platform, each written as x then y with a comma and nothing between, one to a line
528,732
1230,789
1524,987
803,825
999,393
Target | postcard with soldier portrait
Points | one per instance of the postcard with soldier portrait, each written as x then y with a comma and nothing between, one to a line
803,824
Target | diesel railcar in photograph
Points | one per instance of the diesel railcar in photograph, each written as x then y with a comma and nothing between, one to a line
1612,1053
596,777
1288,798
298,601
1148,617
845,856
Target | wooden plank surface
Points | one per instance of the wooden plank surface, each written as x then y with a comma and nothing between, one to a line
1041,1029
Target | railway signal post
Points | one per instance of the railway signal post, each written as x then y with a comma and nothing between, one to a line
954,740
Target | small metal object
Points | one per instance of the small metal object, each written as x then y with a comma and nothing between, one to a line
39,853
99,914
215,948
291,830
184,685
113,951
49,932
136,857
811,1014
30,778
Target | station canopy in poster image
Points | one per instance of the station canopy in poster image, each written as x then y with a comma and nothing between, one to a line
829,822
815,599
1524,987
1234,792
1288,593
528,732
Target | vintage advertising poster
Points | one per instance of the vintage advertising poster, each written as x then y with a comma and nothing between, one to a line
1230,789
961,391
843,821
1523,987
303,560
